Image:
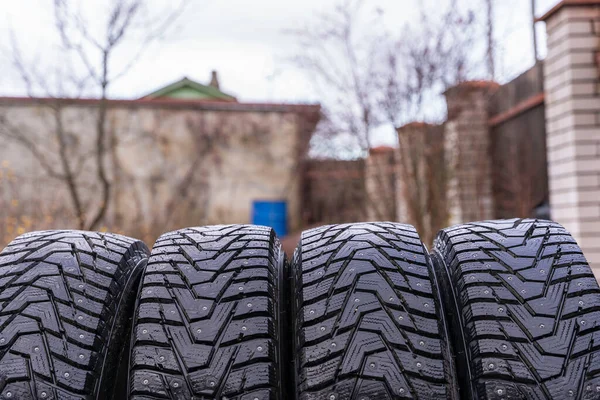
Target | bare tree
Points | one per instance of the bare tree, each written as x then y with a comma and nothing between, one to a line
342,62
87,66
370,77
424,61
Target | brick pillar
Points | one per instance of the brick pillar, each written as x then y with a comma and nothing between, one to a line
411,156
380,183
572,84
467,148
422,177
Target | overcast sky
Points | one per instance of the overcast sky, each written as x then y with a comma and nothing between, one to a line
244,40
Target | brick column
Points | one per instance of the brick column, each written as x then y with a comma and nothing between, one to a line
380,184
422,178
467,148
572,84
412,139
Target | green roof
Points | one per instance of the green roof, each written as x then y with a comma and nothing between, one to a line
189,90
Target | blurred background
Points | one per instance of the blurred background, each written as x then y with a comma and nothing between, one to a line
144,116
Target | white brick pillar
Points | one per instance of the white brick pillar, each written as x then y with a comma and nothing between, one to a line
572,85
467,147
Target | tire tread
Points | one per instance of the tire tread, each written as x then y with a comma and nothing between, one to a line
367,316
530,308
60,298
196,333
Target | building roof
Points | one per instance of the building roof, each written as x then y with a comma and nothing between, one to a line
212,105
381,150
190,90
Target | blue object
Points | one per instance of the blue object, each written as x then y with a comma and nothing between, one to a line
271,213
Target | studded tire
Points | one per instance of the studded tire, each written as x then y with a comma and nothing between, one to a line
64,305
527,310
368,316
208,321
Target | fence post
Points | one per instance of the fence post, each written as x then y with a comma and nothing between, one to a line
467,148
572,84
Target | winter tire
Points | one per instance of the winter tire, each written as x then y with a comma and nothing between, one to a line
207,325
64,299
368,318
527,315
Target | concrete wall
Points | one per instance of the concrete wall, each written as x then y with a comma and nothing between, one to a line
572,83
171,165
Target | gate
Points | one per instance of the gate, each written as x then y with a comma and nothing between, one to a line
271,213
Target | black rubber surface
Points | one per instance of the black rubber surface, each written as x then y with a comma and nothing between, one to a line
207,325
527,321
63,301
367,316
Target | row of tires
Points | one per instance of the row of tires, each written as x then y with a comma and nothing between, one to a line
497,310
